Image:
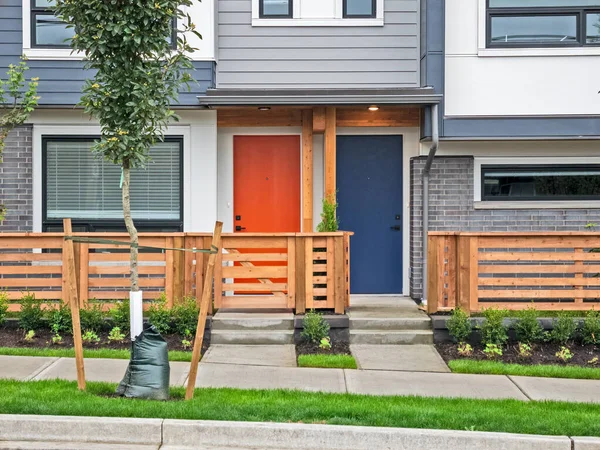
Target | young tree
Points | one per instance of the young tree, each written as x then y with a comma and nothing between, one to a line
139,73
16,104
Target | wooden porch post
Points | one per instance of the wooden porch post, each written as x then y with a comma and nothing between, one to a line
330,151
307,171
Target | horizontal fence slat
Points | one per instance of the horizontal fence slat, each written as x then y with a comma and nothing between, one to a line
320,280
120,257
319,242
537,268
321,256
254,242
538,293
540,242
125,282
120,295
538,256
31,270
540,306
37,242
39,295
30,257
262,301
255,272
320,292
248,257
539,281
25,283
255,287
124,270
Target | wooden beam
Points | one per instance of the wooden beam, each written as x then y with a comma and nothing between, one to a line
330,151
307,171
386,116
204,305
252,117
72,289
319,120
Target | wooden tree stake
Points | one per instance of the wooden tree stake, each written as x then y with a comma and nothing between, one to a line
204,305
74,302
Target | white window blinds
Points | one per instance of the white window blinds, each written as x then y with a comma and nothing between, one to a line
81,186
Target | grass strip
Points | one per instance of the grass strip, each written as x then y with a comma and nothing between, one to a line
546,371
327,361
87,353
57,397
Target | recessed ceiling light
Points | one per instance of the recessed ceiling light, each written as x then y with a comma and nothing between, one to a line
264,108
373,108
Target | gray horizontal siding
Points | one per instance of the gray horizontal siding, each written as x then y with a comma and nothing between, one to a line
318,57
61,81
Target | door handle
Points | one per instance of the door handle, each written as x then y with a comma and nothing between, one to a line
396,228
239,228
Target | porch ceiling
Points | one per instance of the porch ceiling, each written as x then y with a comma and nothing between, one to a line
330,97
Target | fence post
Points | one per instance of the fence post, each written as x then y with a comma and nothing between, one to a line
468,273
347,268
339,274
84,273
169,272
300,275
433,274
291,271
178,269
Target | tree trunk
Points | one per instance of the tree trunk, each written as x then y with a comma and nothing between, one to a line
133,234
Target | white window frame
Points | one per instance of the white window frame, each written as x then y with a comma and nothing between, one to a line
504,52
516,204
337,21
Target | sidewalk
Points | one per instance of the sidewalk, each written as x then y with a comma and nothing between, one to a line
369,382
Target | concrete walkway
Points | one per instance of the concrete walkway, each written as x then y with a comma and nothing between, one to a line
369,382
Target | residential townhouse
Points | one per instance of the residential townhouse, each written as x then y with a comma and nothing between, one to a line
300,99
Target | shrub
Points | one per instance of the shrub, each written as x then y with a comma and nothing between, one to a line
528,328
60,319
465,349
329,221
564,354
493,330
492,351
29,336
120,315
92,318
524,350
185,316
314,327
590,332
459,325
3,306
90,337
32,314
115,335
160,315
564,328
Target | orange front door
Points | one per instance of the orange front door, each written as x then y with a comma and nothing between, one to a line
266,174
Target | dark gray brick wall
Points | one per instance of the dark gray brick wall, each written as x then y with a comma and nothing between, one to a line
16,190
451,209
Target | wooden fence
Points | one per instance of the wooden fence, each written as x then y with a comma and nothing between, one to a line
550,271
289,270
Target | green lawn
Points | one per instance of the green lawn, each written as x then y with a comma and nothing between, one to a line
327,361
58,397
498,368
87,353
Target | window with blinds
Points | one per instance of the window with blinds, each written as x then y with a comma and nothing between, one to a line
79,185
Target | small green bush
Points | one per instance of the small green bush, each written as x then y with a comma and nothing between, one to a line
590,332
314,327
528,328
92,318
120,315
329,221
564,328
32,314
59,319
3,306
459,325
185,316
160,315
493,330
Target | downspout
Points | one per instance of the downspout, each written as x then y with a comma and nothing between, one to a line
435,139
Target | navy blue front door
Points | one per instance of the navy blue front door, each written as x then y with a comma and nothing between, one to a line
369,182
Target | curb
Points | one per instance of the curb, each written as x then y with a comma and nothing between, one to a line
187,434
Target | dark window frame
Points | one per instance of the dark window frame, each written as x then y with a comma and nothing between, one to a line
580,12
262,15
516,168
36,11
91,225
373,14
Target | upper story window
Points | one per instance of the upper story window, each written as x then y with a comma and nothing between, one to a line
283,13
543,23
46,29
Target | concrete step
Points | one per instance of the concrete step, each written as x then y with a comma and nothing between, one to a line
407,337
57,445
257,321
390,324
252,337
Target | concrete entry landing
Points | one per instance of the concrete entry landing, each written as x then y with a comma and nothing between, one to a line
252,328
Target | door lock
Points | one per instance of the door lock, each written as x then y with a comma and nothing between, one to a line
396,228
239,228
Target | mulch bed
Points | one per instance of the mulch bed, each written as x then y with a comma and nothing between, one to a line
542,354
14,337
309,348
